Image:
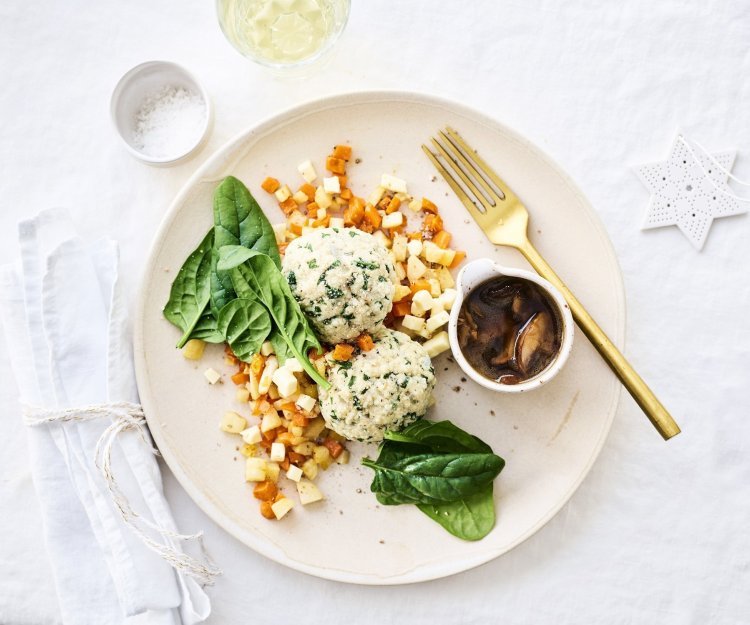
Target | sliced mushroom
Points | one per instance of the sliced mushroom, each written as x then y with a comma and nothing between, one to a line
534,342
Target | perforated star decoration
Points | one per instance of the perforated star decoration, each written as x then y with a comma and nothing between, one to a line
689,191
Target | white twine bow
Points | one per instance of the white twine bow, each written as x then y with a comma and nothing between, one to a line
128,416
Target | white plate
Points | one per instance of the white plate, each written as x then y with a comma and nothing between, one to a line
549,437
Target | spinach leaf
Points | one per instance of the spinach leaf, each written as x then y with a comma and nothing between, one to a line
190,292
245,324
255,276
401,476
238,220
471,518
440,436
434,477
206,329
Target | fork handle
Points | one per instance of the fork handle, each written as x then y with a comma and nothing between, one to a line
643,395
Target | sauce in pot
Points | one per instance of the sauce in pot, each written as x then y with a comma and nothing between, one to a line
509,329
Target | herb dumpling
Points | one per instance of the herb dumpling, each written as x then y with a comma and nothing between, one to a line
344,280
386,388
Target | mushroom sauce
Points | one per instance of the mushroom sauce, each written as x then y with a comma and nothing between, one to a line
509,329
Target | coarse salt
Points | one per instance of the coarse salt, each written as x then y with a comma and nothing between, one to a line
169,122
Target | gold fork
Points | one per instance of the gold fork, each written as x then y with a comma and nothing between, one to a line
504,219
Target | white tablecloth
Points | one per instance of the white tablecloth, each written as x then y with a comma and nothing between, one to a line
658,532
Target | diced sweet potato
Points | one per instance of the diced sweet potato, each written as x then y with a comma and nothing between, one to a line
334,447
432,223
393,205
270,185
442,239
372,215
458,259
414,236
300,419
322,222
365,342
342,352
354,215
346,194
288,206
266,511
342,181
295,458
343,151
402,308
336,165
428,207
240,378
308,190
257,363
265,491
420,285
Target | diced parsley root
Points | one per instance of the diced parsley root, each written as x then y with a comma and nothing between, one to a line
193,349
281,507
232,423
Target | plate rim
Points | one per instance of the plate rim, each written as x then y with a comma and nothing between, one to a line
423,572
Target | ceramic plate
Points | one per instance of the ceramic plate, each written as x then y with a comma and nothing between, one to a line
549,437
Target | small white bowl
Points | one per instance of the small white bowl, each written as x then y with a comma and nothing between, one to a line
138,84
472,275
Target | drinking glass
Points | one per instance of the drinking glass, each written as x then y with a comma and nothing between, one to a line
282,33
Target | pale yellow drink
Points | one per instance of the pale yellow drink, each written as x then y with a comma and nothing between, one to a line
282,32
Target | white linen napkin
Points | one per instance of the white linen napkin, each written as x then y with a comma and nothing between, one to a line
109,540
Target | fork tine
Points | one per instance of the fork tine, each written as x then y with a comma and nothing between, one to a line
486,169
471,168
478,215
488,205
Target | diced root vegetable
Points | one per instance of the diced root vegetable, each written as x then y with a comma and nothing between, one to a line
270,185
437,344
294,473
427,206
343,152
270,421
342,352
282,507
332,185
194,349
232,423
344,457
307,170
265,490
401,292
421,302
252,435
242,395
283,193
393,220
310,469
255,470
285,381
308,492
212,375
278,452
437,321
415,269
315,427
415,324
272,471
392,183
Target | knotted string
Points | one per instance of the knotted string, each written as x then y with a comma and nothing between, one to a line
128,416
715,164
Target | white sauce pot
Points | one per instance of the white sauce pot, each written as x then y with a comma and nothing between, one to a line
472,275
